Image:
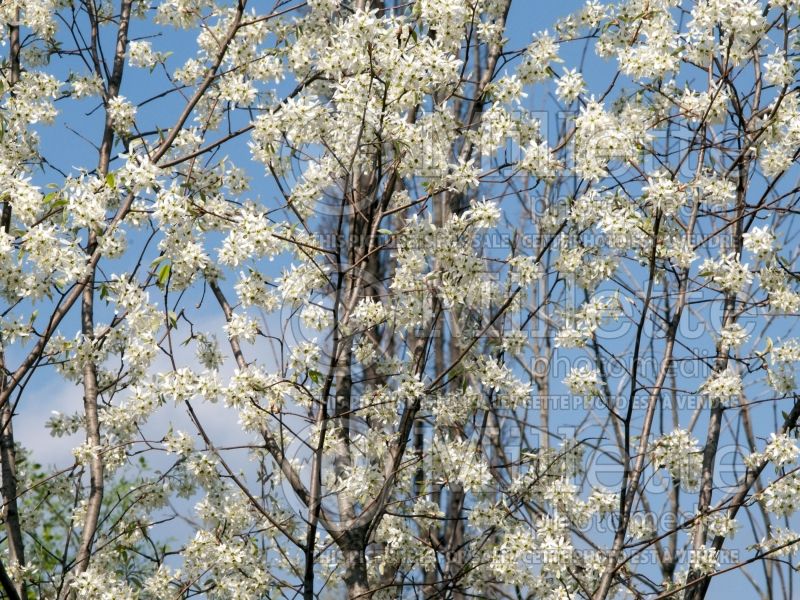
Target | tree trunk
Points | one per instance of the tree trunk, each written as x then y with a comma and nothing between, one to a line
355,572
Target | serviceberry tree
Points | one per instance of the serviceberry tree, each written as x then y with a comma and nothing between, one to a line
378,299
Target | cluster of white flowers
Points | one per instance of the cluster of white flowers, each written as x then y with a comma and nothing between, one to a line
399,541
782,366
60,424
782,298
727,272
760,241
485,214
782,497
454,409
234,563
26,199
781,449
140,54
499,378
139,174
664,193
178,443
248,388
538,56
86,86
780,541
252,290
716,191
679,453
703,560
742,20
525,270
642,526
555,547
778,70
297,283
733,335
539,161
516,546
458,462
656,54
570,85
96,584
54,257
506,89
782,136
580,326
600,136
251,236
242,326
299,120
723,386
87,201
367,313
709,106
316,317
180,13
582,381
121,113
32,100
447,18
719,523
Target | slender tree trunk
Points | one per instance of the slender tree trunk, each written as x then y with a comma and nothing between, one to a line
90,394
16,547
8,455
90,389
355,573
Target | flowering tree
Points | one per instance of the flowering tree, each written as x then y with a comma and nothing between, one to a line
350,298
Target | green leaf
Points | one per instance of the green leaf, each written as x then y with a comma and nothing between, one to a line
315,376
163,274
